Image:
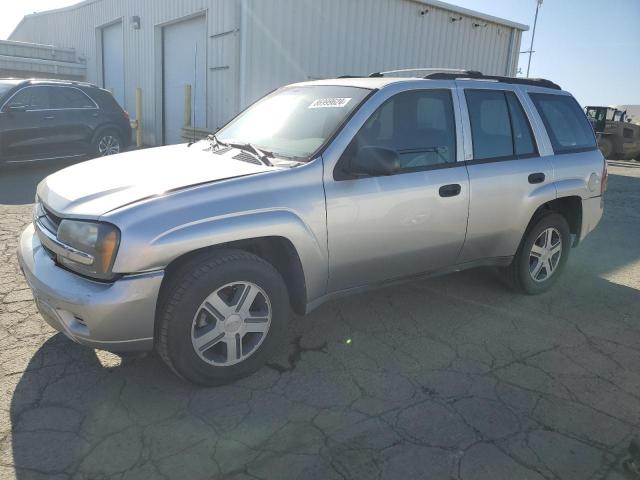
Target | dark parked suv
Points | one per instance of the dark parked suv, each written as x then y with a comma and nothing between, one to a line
54,119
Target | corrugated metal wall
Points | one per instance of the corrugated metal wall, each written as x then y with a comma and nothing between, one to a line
293,40
285,41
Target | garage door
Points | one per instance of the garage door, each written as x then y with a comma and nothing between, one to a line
113,61
185,55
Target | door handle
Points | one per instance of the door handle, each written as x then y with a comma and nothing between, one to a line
49,118
536,177
450,190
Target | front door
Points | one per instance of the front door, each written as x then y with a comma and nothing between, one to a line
113,61
184,63
29,125
386,227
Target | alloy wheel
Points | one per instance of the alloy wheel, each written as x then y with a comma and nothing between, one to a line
231,324
108,145
545,254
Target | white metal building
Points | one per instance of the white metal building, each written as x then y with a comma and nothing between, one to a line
235,51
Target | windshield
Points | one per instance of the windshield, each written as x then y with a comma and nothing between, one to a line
294,121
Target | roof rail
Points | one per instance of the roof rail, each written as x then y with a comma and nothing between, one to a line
404,70
469,74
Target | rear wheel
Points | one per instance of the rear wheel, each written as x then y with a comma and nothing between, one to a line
542,255
221,316
107,143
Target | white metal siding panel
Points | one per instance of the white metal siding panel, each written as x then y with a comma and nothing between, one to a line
294,40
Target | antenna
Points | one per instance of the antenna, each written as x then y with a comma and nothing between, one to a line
195,91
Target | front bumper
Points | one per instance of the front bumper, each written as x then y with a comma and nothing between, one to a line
117,317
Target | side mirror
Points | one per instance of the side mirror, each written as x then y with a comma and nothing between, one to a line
374,161
16,108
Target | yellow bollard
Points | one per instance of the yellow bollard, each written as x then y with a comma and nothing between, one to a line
187,106
139,140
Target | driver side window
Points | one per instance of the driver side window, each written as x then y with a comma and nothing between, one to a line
418,125
33,98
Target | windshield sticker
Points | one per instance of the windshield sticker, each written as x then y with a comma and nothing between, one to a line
330,103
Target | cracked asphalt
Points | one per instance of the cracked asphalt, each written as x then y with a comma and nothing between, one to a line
451,378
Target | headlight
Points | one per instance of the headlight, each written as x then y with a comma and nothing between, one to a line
98,241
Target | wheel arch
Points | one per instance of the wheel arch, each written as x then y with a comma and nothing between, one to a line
570,207
106,127
276,250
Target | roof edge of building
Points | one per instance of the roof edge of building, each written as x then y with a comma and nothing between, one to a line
433,3
475,14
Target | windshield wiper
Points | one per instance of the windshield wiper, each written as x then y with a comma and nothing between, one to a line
260,154
213,139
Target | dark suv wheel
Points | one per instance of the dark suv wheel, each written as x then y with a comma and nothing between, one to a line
220,317
107,142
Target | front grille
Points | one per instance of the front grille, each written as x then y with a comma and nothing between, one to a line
51,217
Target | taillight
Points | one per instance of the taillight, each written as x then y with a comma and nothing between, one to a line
605,178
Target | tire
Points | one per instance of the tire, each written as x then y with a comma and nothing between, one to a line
189,329
107,142
522,270
606,147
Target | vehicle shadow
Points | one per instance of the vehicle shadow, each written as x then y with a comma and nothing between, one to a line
95,415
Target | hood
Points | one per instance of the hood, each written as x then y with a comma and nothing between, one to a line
95,187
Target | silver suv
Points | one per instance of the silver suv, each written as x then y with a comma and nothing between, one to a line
318,190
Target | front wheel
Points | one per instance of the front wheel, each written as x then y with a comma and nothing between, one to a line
221,316
542,255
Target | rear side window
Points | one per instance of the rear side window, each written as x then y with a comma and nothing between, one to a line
105,100
64,97
499,126
567,125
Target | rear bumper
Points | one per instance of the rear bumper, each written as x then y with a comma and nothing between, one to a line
117,317
592,210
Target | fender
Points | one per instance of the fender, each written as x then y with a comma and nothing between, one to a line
209,232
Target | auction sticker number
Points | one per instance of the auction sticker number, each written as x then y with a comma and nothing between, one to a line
330,103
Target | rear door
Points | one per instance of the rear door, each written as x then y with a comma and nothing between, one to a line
386,227
76,115
29,134
509,177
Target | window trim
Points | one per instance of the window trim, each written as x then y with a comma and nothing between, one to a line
340,175
550,132
95,107
503,158
49,94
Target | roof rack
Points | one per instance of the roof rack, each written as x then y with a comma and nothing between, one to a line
404,70
470,74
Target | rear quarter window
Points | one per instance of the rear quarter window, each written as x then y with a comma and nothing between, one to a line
568,127
104,99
